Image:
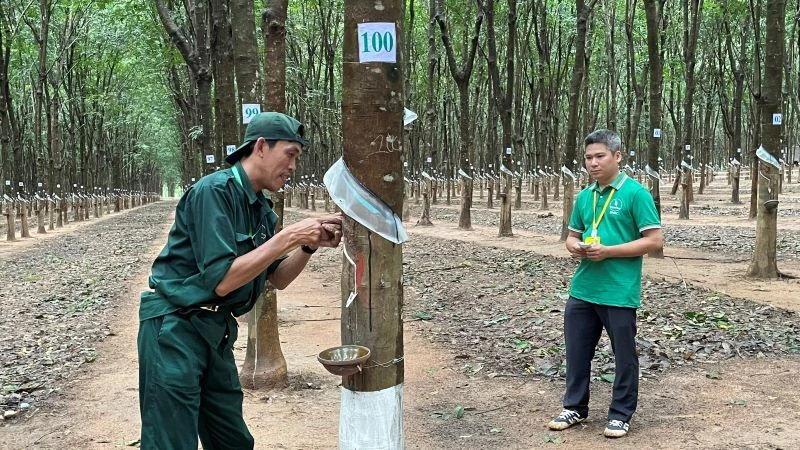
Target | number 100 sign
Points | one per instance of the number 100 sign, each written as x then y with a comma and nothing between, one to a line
377,42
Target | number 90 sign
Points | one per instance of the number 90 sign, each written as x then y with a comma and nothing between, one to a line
377,42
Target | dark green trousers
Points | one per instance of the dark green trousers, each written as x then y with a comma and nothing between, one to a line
188,387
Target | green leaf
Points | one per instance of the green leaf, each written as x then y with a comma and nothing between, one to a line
608,377
496,430
739,402
549,438
521,345
458,412
422,315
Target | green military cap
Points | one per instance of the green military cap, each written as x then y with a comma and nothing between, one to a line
270,126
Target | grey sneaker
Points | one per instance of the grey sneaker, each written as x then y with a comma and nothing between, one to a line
616,429
566,419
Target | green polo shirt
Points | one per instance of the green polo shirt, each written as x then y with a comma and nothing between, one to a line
613,281
218,219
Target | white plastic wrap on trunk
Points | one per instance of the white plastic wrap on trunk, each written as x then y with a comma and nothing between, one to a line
372,420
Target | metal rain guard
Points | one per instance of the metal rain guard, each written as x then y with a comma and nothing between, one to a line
363,206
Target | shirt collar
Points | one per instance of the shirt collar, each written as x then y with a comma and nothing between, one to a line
616,184
252,195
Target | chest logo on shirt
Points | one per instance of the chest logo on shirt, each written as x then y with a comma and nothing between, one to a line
615,207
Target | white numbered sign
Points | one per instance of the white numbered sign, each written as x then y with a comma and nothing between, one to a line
21,184
230,149
250,110
508,151
377,42
656,132
58,186
39,184
8,182
428,159
210,159
777,119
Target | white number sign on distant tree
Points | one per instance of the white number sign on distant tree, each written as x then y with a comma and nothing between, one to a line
250,110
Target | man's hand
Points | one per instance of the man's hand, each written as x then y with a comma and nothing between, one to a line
332,234
325,231
598,252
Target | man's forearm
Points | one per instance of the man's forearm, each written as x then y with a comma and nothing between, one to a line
248,266
289,269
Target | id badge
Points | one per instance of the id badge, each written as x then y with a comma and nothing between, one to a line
592,240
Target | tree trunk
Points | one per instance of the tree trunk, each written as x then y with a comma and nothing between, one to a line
502,97
225,114
653,12
265,365
583,13
373,93
194,50
461,75
764,262
245,55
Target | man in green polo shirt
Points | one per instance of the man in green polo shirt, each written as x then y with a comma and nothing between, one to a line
220,250
614,223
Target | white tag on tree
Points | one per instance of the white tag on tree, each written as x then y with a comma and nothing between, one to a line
21,184
210,159
409,116
8,182
377,42
777,119
656,132
229,149
250,110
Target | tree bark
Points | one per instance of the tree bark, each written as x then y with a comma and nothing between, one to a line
461,75
265,366
653,12
583,13
225,114
373,93
764,262
194,50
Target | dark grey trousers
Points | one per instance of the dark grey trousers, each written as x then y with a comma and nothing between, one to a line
583,324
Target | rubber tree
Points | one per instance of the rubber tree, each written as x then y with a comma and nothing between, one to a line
371,413
764,262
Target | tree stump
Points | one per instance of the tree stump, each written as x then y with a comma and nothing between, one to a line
23,214
264,365
38,207
505,216
489,197
11,231
425,217
51,213
57,207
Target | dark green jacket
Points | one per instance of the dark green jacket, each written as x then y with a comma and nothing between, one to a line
218,219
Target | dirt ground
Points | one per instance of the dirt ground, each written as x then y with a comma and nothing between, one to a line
730,403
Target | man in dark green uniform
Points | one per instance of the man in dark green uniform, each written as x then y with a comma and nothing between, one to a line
220,250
